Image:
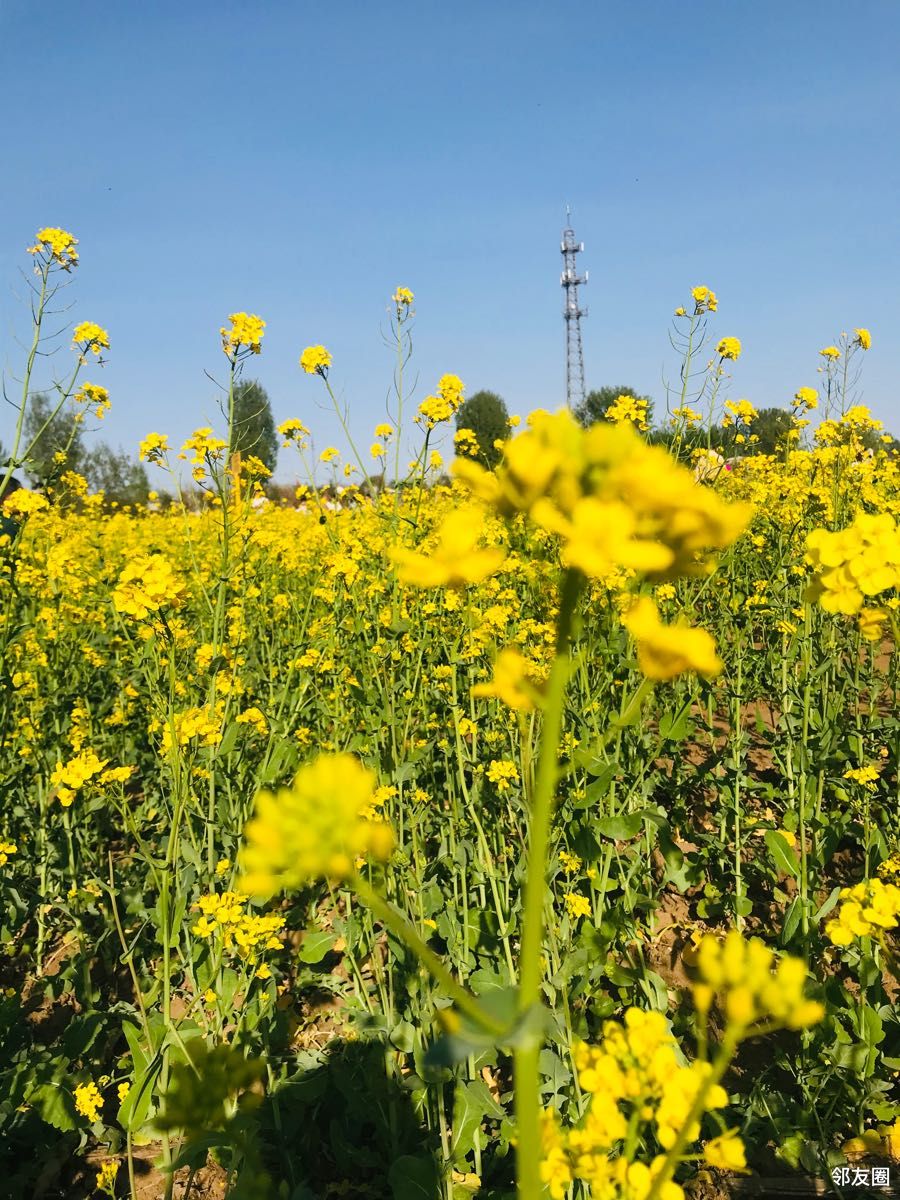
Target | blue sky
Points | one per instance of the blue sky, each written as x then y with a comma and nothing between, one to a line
301,160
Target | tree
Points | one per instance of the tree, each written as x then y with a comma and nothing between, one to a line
59,436
598,402
254,425
485,415
120,478
771,426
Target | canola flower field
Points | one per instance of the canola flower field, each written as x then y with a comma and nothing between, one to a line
535,833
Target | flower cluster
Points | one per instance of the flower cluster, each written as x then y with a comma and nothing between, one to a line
24,502
457,559
740,412
315,360
193,725
294,431
90,336
513,682
806,398
403,298
227,921
705,300
6,849
246,333
665,651
729,347
434,409
145,586
88,1101
614,501
94,398
861,560
58,245
629,408
69,777
866,910
753,990
320,827
154,448
634,1079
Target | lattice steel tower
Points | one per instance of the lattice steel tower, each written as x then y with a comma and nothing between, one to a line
572,314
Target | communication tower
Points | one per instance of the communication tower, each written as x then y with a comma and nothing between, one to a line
572,314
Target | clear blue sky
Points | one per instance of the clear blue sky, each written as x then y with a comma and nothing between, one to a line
301,160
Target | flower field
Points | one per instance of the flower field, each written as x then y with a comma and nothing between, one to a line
529,830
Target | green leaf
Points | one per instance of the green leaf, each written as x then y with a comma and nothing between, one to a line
675,727
315,946
620,828
55,1105
828,905
783,855
403,1036
791,920
413,1178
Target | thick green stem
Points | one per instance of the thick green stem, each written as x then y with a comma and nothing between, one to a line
526,1072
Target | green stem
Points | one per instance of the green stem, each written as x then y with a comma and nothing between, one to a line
404,930
526,1057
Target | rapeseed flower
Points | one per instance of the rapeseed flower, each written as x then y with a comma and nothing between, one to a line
705,300
315,360
866,910
88,1101
58,245
247,330
729,347
457,559
90,336
665,651
318,828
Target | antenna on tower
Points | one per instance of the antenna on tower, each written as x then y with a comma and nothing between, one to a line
572,314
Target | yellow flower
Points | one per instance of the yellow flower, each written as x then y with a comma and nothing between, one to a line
122,1091
865,911
88,1101
806,397
58,244
403,298
316,828
223,866
457,559
863,338
255,717
502,774
93,397
578,905
729,347
246,330
705,299
106,1176
88,336
24,502
512,682
315,360
871,623
6,849
830,352
665,651
145,586
376,450
743,410
629,408
154,447
753,988
726,1152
